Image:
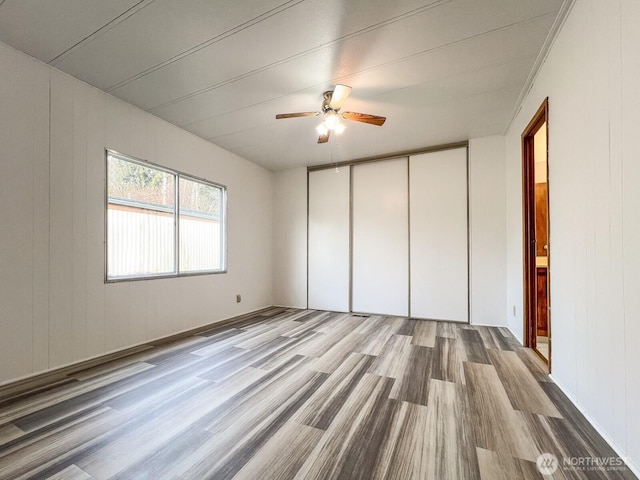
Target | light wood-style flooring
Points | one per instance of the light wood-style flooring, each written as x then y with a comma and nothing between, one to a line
295,394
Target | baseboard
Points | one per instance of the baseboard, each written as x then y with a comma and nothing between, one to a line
33,383
491,325
607,438
278,305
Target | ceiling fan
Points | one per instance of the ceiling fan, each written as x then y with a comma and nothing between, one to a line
333,100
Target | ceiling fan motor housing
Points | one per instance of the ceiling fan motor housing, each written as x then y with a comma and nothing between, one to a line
327,100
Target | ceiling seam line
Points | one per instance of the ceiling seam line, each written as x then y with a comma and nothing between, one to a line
285,60
231,32
207,43
142,4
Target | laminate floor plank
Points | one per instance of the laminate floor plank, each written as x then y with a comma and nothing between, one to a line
326,402
150,394
447,360
424,333
371,324
508,337
523,390
280,458
573,446
189,346
287,351
393,358
329,339
451,442
446,329
285,393
340,322
106,391
29,405
264,338
153,465
140,439
396,323
224,369
408,326
348,449
374,341
330,360
53,447
433,441
315,315
474,347
494,466
579,424
413,385
72,472
494,338
405,453
30,411
496,424
242,432
545,439
534,363
9,432
308,327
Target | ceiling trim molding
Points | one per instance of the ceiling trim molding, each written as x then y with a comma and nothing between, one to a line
389,156
559,22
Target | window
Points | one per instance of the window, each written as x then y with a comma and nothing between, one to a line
200,204
161,223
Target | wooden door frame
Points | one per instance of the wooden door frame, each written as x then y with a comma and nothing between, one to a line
529,227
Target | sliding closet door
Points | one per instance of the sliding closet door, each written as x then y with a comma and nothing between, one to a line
439,241
380,237
329,239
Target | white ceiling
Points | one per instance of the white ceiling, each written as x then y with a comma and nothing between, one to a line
441,71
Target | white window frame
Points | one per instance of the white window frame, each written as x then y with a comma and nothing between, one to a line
176,220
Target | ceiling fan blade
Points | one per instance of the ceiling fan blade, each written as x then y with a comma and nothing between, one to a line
339,95
324,138
364,118
299,114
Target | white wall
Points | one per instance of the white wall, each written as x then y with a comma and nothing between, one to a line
487,231
290,238
591,77
55,308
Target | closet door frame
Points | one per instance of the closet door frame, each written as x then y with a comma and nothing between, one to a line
405,155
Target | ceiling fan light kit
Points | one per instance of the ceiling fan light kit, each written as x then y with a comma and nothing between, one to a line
331,105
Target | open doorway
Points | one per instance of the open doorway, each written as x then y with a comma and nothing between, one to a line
537,267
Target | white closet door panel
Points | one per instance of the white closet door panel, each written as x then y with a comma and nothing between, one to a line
329,239
439,242
380,238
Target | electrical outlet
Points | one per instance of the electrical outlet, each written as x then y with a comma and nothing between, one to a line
239,298
514,310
